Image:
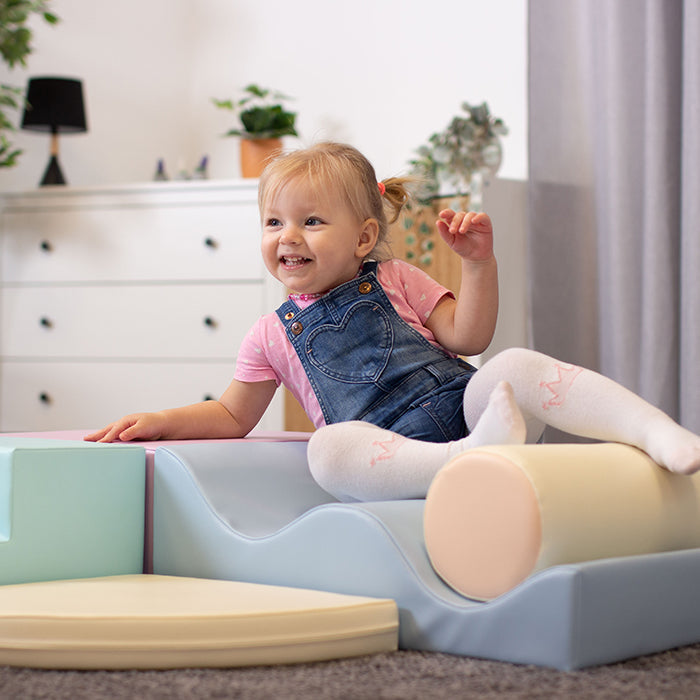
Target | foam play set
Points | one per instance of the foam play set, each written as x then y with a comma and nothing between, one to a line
224,553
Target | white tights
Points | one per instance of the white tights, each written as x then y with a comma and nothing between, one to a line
508,401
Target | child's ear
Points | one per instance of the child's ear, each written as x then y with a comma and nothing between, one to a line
367,238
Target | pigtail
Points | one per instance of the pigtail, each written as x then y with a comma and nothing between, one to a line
396,195
393,195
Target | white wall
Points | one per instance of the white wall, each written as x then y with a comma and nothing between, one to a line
380,74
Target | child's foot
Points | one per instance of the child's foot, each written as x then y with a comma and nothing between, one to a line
501,423
674,448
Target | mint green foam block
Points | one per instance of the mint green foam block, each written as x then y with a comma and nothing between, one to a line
70,509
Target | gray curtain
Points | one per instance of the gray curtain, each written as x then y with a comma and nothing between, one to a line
614,215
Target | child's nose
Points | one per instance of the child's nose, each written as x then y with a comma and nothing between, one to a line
290,234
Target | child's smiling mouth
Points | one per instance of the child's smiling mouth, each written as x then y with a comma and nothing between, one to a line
292,262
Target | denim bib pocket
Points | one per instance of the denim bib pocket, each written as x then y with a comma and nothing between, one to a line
341,351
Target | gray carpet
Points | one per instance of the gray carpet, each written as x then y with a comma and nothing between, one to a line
404,675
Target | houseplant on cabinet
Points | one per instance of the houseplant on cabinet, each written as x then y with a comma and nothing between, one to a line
264,121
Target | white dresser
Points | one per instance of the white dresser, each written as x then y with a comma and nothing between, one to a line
123,299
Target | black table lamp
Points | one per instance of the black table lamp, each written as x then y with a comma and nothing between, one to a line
54,105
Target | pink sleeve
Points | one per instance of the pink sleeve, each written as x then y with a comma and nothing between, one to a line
425,294
252,364
417,289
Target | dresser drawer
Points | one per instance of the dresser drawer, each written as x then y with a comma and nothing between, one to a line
38,396
127,298
186,242
129,321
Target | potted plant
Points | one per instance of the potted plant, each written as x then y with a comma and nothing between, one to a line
456,160
15,46
263,122
449,171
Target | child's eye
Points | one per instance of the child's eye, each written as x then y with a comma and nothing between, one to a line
313,221
273,223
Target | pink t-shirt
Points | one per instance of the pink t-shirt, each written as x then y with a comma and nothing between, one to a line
266,353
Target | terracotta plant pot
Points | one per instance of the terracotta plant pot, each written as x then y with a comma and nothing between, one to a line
255,154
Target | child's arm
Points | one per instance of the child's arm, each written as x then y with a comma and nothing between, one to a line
466,325
233,416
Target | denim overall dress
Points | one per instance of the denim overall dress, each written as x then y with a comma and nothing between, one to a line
366,363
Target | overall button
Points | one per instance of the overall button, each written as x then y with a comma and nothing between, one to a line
296,328
365,288
289,315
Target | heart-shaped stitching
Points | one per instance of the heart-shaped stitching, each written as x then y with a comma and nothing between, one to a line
356,350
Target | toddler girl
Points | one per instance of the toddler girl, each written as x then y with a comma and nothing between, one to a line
369,345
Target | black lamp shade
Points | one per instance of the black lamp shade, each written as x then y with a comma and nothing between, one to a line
54,105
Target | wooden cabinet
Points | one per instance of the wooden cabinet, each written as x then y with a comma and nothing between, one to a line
123,299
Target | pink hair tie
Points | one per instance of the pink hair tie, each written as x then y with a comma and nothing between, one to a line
382,188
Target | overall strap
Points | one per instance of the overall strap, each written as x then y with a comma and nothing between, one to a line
289,310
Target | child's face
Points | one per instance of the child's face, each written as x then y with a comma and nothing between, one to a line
311,243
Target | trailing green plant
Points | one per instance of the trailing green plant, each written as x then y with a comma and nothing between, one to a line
445,165
15,46
261,113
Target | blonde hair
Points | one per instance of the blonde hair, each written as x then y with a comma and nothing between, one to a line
346,173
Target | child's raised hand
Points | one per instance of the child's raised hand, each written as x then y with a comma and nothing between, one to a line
469,234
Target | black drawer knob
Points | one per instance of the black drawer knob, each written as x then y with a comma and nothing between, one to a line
46,246
45,398
210,242
45,322
210,322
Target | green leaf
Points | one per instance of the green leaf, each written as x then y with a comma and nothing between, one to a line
15,46
257,91
259,118
256,119
7,100
223,104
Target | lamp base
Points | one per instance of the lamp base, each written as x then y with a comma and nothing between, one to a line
53,174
